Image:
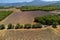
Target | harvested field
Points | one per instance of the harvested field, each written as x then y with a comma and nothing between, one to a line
55,11
30,34
11,9
23,17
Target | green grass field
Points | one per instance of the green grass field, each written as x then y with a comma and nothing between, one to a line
4,14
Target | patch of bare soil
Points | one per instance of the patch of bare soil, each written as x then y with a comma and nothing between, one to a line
23,17
57,30
55,11
30,34
11,9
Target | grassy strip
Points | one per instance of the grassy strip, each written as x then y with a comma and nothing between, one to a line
4,14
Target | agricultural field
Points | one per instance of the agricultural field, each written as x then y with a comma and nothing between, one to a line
4,14
30,20
26,14
30,34
24,17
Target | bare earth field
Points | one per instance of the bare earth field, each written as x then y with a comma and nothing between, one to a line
55,11
26,17
30,34
27,34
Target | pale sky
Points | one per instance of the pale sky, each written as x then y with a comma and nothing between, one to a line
13,1
50,0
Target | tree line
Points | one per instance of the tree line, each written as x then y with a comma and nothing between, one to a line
42,8
34,8
25,26
19,26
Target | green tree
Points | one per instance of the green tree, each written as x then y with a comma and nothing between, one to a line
54,25
38,25
2,27
18,26
27,26
10,26
48,19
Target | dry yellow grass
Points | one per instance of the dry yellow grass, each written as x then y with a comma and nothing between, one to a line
29,34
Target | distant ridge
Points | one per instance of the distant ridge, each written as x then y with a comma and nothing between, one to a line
57,3
33,3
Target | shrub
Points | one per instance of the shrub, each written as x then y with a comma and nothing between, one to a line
54,25
10,26
18,26
37,25
2,27
27,26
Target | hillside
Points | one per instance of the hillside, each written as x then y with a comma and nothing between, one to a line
57,3
33,3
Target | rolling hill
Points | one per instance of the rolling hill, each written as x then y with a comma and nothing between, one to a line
33,3
57,3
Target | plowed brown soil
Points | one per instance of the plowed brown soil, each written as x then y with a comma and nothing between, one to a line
26,17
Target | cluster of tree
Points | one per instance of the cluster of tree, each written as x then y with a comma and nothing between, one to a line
42,8
48,20
2,27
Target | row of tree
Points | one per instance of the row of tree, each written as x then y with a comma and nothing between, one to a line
43,8
26,26
19,26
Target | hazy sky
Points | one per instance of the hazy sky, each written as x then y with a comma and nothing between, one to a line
50,0
13,1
